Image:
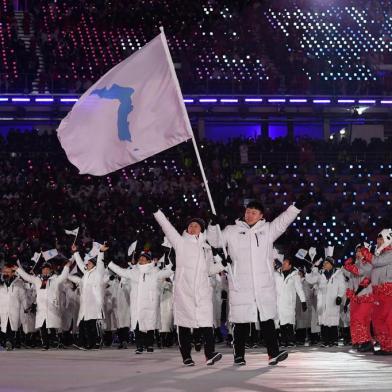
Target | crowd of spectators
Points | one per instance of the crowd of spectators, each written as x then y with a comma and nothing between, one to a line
247,46
43,194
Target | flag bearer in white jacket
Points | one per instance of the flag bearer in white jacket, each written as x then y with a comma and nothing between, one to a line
48,316
252,289
12,295
192,297
146,281
91,287
331,289
288,286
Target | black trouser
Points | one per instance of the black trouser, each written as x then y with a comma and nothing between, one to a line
144,339
88,333
241,331
123,334
10,335
300,334
287,333
48,335
329,335
185,340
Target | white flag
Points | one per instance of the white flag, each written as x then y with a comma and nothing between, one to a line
132,248
301,253
134,111
49,254
276,255
73,232
312,253
329,251
166,243
36,257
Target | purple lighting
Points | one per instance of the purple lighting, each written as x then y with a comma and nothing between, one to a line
189,100
276,100
68,100
20,99
43,99
298,100
366,101
206,100
386,102
346,100
321,101
3,99
253,99
229,100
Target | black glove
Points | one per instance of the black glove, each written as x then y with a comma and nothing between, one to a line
345,308
303,200
338,301
304,306
277,264
308,268
215,220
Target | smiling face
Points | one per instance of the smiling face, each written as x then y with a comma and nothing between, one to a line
327,265
194,228
46,271
7,272
143,260
252,216
286,265
90,265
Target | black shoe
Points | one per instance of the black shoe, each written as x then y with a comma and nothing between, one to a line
365,347
197,347
139,350
290,344
215,358
150,349
79,347
189,362
282,355
8,346
239,361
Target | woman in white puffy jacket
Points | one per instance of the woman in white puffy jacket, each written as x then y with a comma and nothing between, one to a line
48,316
331,289
91,287
288,286
12,295
146,281
193,307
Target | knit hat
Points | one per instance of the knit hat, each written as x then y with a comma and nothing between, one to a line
330,260
199,221
386,234
256,205
146,254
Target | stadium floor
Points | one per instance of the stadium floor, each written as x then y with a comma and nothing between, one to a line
112,370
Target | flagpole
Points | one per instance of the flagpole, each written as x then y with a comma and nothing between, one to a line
187,122
192,135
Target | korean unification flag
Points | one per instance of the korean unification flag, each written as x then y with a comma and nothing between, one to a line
72,232
49,254
134,111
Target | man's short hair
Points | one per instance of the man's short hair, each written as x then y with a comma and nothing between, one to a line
256,205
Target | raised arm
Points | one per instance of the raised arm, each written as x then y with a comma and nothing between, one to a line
27,277
280,224
79,262
171,233
64,274
123,272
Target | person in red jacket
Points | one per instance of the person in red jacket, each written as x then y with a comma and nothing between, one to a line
381,278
